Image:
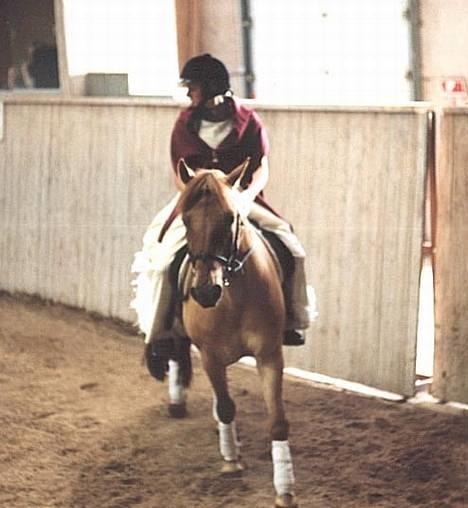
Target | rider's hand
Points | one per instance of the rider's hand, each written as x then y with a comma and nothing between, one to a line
243,201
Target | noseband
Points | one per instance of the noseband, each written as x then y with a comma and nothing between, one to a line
232,263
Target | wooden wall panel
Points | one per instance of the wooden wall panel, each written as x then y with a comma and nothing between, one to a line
221,35
209,27
442,32
80,183
188,29
352,184
451,266
81,180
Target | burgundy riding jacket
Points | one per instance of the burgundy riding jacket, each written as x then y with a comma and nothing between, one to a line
247,139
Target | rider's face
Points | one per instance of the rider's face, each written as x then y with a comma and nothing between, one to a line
195,93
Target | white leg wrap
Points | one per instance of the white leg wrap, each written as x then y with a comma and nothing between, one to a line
215,413
283,475
229,446
177,393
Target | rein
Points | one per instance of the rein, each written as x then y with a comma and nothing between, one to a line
233,263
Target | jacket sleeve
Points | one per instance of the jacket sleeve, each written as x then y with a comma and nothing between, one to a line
256,145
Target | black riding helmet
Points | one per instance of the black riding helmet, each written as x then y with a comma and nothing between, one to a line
208,72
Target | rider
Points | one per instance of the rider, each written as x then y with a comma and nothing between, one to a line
216,131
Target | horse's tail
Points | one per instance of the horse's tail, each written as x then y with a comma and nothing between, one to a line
158,353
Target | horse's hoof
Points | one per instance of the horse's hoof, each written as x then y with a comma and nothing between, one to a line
286,501
178,410
232,468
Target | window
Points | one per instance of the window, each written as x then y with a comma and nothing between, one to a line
28,52
331,51
135,37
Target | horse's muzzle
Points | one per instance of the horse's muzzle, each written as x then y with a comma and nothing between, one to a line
207,295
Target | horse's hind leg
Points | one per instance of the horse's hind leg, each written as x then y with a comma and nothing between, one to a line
271,373
224,411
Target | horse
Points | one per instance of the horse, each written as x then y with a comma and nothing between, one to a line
233,307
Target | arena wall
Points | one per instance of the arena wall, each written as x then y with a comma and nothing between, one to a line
83,177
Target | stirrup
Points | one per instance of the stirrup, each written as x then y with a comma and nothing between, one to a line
293,338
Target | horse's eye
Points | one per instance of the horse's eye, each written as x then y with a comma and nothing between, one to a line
228,219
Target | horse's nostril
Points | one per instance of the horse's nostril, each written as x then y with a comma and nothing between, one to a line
207,295
216,292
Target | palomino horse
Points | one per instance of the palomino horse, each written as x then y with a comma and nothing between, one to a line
234,307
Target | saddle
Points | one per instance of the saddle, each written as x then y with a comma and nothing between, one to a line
282,256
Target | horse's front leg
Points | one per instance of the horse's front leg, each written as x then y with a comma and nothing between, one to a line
224,411
177,391
271,372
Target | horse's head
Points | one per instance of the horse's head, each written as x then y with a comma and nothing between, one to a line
213,225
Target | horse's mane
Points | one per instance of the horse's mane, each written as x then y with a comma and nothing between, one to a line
204,186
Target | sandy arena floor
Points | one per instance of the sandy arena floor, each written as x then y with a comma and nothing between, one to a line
83,425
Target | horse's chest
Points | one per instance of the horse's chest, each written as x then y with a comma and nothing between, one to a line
217,336
223,355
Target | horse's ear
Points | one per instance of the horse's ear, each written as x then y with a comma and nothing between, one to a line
237,173
184,171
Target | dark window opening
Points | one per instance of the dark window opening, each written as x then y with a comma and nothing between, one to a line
28,50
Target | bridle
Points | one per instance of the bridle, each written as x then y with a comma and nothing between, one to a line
233,263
